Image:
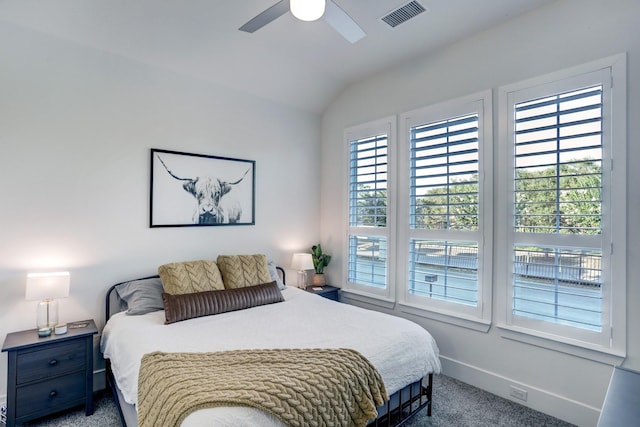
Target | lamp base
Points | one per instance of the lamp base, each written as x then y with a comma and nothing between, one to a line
44,332
47,315
302,279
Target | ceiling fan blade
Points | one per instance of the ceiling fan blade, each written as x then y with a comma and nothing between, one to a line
271,14
342,23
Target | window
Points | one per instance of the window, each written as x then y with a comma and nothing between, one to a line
563,196
556,242
370,214
558,191
445,223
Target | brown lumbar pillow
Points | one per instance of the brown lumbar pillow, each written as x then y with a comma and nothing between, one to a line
198,304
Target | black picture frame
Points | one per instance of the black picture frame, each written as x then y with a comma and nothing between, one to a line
195,190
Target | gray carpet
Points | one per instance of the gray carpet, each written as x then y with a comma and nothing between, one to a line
455,404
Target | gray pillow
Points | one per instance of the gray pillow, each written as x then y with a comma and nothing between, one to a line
142,296
273,272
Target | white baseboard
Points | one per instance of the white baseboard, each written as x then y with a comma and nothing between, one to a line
541,400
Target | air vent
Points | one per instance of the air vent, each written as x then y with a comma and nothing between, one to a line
403,13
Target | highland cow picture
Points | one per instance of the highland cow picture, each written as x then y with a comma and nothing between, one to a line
200,190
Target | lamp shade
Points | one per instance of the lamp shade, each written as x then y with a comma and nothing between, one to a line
42,286
307,10
302,262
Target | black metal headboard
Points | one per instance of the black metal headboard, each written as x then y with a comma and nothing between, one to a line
113,303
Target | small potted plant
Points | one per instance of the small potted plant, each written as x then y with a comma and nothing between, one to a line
320,261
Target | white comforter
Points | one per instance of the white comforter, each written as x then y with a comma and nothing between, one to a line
401,350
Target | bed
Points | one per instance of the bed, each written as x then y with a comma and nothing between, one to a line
405,355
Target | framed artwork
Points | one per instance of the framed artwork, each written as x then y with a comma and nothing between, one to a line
200,190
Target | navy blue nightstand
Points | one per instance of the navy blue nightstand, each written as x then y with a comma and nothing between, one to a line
49,374
329,292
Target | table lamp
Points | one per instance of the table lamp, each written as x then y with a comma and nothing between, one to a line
46,287
302,262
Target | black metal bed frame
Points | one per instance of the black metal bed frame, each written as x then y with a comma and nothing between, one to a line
401,407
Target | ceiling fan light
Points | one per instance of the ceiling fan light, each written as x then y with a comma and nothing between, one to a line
307,10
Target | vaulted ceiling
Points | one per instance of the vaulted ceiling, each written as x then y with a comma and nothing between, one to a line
300,64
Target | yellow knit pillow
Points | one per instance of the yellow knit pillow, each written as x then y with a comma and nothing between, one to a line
239,271
190,276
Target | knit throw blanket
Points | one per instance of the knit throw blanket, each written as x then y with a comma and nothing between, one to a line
302,387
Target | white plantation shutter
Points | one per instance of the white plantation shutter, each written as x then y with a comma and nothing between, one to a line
444,174
558,150
562,247
368,182
563,260
445,270
368,261
424,221
369,215
444,196
558,163
445,222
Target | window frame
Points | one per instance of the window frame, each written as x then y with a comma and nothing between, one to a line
386,126
478,317
611,341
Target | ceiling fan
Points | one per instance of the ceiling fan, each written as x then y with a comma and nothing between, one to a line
333,14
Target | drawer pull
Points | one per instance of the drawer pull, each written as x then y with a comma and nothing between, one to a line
53,362
53,393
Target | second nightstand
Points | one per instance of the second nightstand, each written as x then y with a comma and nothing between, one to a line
49,374
329,292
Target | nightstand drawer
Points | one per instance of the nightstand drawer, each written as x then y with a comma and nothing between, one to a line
52,393
55,359
331,294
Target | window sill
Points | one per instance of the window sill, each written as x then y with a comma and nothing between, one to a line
350,294
575,348
452,318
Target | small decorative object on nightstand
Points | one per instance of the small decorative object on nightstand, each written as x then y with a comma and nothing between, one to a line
329,292
49,374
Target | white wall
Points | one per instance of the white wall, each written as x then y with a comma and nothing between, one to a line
558,36
76,126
